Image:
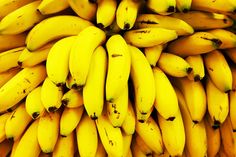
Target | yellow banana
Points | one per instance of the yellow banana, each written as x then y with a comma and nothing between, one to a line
20,85
196,62
198,43
3,119
67,25
70,118
105,7
231,53
163,7
21,20
11,41
86,132
136,150
13,150
72,98
183,5
100,150
51,95
33,104
153,54
142,145
126,13
52,6
48,131
127,139
79,62
232,99
93,101
167,22
7,75
141,72
58,58
119,63
218,70
201,20
84,8
147,37
28,145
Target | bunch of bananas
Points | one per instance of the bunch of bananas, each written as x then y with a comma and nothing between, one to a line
97,78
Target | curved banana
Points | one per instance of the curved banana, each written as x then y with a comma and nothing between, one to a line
93,101
231,53
20,85
105,7
218,70
141,72
72,99
7,75
67,25
33,104
58,58
51,95
70,119
52,6
119,63
86,132
11,41
21,20
147,37
159,21
127,139
48,131
183,5
163,7
142,145
153,54
79,62
3,119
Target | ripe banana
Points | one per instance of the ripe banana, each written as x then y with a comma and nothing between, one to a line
22,19
183,5
11,41
93,101
119,63
6,76
141,72
198,43
52,6
153,54
86,133
232,99
231,53
13,149
48,131
3,119
72,99
163,7
167,22
218,70
58,58
127,139
142,145
20,85
67,25
70,119
79,62
147,37
51,95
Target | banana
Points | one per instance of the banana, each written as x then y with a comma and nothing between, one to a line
195,100
58,58
105,7
33,104
3,119
86,133
147,37
174,65
11,41
48,131
183,5
136,150
232,99
111,137
67,25
7,75
79,62
51,95
201,20
129,153
153,54
141,72
70,119
65,146
93,101
198,43
52,6
163,7
29,59
165,154
196,62
72,99
84,8
14,146
28,145
218,70
22,19
119,64
213,137
127,139
196,138
100,150
159,21
231,54
126,13
128,126
20,85
8,59
5,148
142,145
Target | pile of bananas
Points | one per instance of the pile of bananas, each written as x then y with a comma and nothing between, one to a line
96,78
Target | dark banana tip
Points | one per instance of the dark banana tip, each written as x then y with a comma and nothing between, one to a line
216,124
195,121
126,26
189,70
197,78
63,136
227,91
171,9
65,102
149,154
216,42
141,120
9,110
94,116
10,138
93,1
185,10
52,109
234,11
234,130
19,63
100,25
77,87
171,119
35,115
61,84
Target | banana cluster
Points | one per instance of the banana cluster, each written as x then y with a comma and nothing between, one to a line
127,78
